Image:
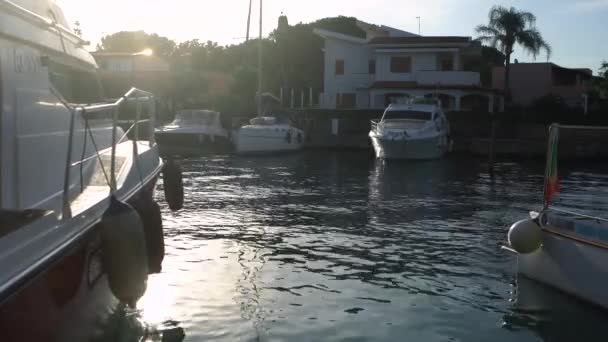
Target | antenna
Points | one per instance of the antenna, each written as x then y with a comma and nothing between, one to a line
418,25
260,84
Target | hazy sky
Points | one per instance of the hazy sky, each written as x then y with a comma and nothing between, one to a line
576,29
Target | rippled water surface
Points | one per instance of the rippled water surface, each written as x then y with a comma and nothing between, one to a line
335,246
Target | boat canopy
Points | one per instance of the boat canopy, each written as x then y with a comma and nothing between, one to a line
268,121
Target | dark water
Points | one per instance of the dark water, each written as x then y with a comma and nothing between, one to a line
334,246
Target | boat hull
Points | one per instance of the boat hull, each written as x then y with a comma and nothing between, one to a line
246,142
68,299
574,267
192,143
416,149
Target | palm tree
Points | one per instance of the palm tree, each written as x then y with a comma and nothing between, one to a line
507,27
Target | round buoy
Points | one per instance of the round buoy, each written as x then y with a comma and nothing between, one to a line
150,214
525,236
124,252
173,184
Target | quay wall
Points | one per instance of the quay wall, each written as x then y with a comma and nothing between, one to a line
349,129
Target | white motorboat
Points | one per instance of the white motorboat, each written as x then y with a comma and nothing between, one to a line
266,135
414,130
193,131
563,249
78,222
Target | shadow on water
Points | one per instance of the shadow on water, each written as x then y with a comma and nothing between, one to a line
553,315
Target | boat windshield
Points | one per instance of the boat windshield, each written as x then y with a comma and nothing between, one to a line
407,115
197,117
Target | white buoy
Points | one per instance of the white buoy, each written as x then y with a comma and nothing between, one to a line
525,236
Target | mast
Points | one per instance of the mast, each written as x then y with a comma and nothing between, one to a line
260,65
248,21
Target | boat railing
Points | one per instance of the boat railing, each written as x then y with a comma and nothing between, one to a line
374,125
551,177
141,99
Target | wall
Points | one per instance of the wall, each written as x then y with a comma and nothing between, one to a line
356,58
528,81
420,61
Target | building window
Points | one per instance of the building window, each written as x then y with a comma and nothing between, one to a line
346,100
339,67
372,66
447,64
401,64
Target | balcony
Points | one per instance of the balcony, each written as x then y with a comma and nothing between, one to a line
449,78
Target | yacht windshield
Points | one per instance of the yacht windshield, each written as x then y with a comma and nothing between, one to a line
407,115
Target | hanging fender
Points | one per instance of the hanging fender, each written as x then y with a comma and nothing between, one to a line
124,254
151,217
173,184
288,137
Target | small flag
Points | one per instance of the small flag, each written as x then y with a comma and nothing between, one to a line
551,176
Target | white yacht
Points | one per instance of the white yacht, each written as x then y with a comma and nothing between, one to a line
266,135
79,227
560,248
193,131
417,129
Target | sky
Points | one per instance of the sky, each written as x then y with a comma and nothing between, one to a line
576,29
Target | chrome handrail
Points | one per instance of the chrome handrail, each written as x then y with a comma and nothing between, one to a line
133,94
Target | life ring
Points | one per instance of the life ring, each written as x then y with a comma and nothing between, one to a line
173,185
151,217
288,137
124,254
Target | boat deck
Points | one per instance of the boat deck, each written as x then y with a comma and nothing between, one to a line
12,220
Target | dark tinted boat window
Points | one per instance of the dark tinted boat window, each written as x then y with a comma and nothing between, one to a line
407,114
77,86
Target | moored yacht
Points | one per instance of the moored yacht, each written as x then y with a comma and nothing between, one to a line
417,129
266,135
79,228
193,131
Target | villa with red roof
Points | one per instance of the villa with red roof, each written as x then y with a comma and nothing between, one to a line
388,64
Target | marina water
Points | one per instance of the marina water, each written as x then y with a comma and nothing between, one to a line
337,246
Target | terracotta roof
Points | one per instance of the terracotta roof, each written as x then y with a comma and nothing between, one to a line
419,40
415,85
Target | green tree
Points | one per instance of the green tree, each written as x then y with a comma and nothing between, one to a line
600,84
507,27
604,70
136,41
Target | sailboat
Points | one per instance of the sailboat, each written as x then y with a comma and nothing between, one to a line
266,133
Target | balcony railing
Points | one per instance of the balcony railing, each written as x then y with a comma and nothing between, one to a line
462,78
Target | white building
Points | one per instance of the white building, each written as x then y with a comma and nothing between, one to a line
389,63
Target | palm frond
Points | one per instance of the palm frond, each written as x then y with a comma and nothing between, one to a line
533,42
528,18
486,30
